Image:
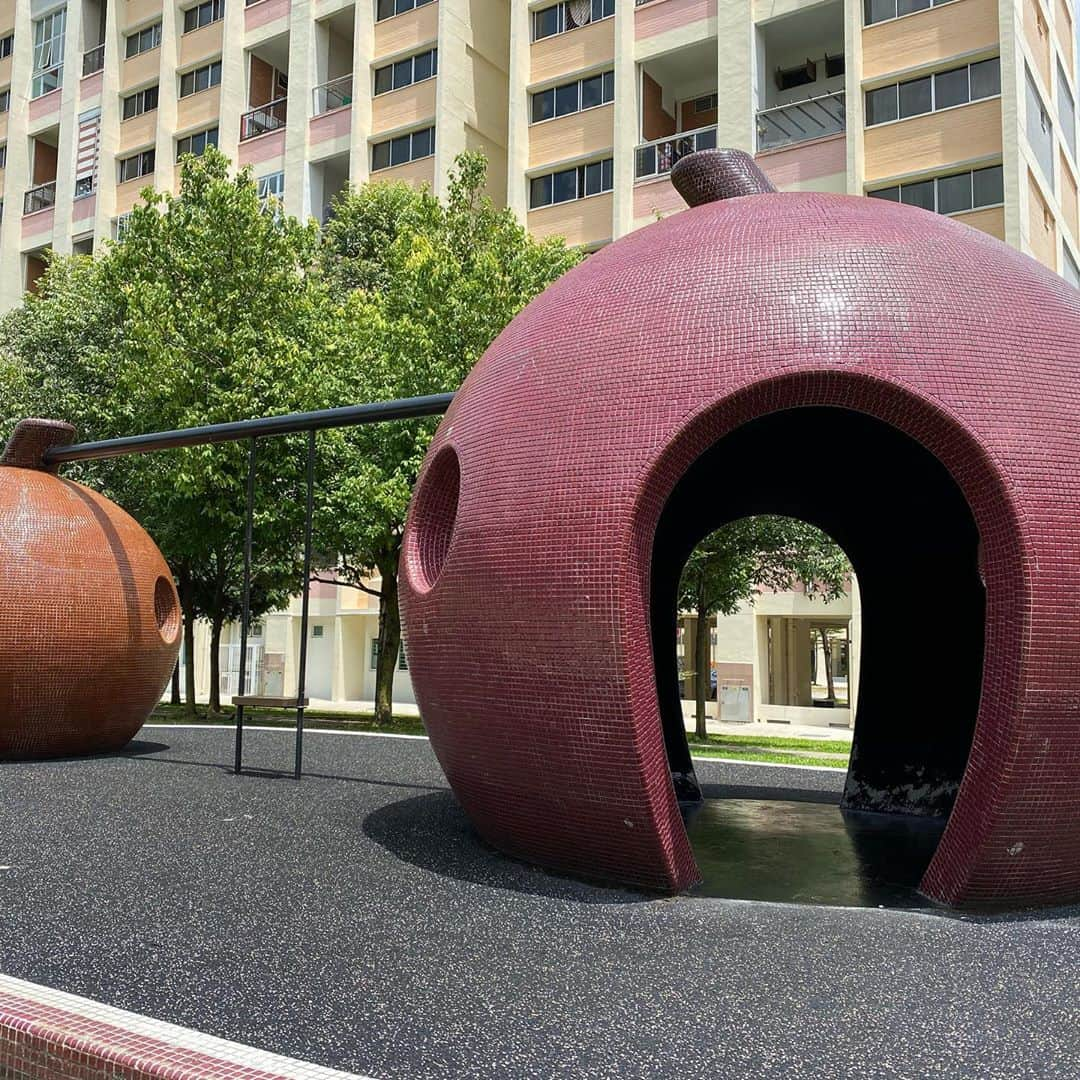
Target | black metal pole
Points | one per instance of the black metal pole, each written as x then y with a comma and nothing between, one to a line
249,514
347,416
301,681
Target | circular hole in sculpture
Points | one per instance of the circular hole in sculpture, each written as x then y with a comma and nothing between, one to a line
436,513
166,609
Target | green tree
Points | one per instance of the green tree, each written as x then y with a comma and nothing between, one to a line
426,287
207,311
732,565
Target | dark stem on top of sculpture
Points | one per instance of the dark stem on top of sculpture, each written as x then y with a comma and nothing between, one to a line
711,175
31,438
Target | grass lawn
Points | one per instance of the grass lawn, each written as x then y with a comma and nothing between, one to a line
315,719
774,749
771,749
777,742
771,758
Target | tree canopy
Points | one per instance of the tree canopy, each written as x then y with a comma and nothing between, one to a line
732,565
427,285
208,310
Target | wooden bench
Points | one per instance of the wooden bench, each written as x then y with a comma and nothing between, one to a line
250,701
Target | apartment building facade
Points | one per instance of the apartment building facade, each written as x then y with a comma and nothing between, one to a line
965,107
104,97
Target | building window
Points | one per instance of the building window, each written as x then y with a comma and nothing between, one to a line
6,44
573,96
1039,128
202,78
203,15
1066,111
5,100
271,186
387,9
410,147
137,165
1069,270
793,77
569,15
705,104
120,225
48,69
403,660
952,194
196,144
569,184
3,156
143,101
932,93
149,37
412,69
317,630
876,11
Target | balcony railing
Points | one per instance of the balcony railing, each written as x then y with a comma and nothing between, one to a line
268,117
335,94
657,158
94,60
813,118
40,198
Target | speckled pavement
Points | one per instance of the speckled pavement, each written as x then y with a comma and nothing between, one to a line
353,920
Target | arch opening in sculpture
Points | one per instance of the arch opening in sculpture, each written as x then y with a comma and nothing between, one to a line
908,530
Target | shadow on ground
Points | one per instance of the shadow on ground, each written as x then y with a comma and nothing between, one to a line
433,833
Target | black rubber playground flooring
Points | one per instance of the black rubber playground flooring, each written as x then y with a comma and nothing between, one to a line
354,920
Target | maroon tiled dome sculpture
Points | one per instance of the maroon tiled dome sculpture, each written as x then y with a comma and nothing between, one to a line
89,616
906,383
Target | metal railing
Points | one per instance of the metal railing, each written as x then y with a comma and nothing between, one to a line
251,431
40,198
658,158
268,117
335,94
93,60
799,121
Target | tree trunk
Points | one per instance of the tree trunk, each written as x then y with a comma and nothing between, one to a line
702,666
187,605
216,621
826,648
389,644
174,697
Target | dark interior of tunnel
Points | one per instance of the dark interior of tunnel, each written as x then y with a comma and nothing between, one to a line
911,538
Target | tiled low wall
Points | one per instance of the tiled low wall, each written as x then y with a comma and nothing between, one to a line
49,1035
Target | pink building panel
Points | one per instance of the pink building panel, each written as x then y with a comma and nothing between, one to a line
264,147
38,225
661,15
803,162
84,208
656,198
90,86
331,125
45,105
265,11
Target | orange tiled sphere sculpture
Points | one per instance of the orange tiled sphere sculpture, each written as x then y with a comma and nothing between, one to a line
89,616
908,384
